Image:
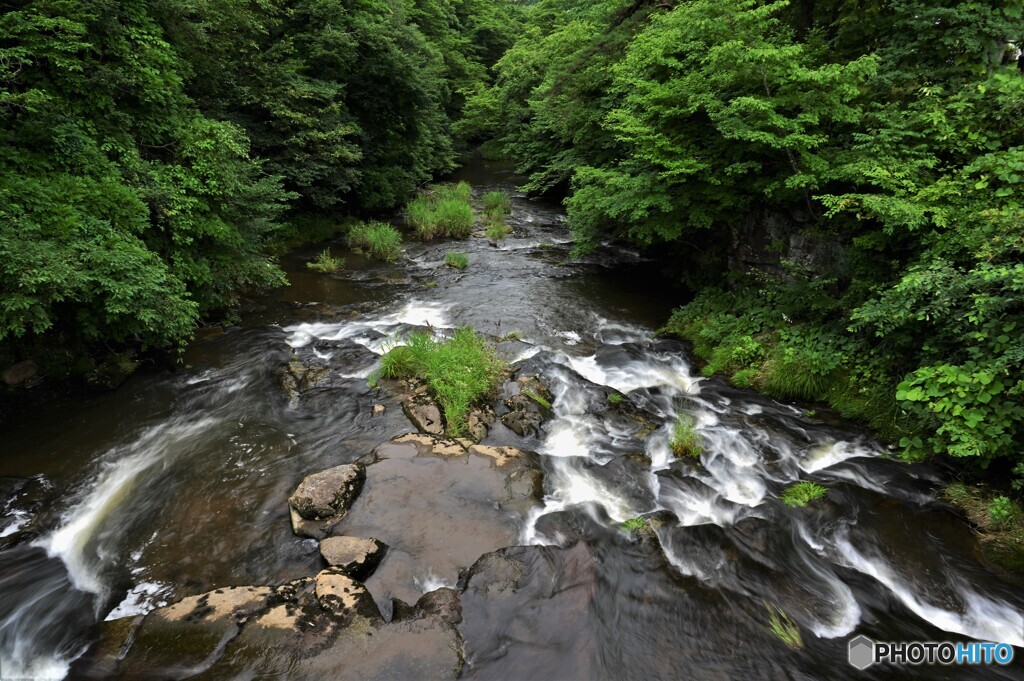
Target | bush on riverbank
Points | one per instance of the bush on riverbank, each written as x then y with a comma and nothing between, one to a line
460,371
378,239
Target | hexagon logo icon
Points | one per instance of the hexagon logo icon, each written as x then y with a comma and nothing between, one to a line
862,652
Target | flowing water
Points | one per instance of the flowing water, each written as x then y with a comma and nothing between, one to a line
176,484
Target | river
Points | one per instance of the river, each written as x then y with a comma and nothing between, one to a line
176,483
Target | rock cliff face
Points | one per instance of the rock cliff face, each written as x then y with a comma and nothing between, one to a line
762,241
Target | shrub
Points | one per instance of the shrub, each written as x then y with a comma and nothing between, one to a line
685,441
615,398
497,203
457,260
378,239
460,371
325,263
802,493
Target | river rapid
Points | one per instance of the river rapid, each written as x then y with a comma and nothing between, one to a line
176,483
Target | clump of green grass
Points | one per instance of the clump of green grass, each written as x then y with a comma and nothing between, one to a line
444,210
538,399
511,336
615,398
802,493
460,371
685,441
461,191
431,284
454,217
784,628
378,239
457,260
634,524
325,263
497,203
497,230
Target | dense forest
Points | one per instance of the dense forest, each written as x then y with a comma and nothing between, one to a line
155,152
838,182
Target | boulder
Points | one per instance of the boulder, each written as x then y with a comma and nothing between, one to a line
353,556
322,499
21,373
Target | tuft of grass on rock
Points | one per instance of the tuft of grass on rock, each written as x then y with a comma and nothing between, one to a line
497,203
685,441
784,628
378,239
615,398
324,262
634,524
802,493
444,210
497,230
460,371
459,261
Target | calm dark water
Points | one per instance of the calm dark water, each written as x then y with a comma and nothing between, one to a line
176,484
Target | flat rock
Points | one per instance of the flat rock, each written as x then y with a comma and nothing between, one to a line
439,504
353,556
424,413
325,627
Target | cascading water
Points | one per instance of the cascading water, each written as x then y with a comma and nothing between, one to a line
176,485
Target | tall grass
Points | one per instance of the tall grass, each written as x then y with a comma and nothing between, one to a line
444,210
497,203
685,441
324,262
459,261
460,371
378,239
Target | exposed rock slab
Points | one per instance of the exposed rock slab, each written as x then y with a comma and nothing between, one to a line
317,628
439,504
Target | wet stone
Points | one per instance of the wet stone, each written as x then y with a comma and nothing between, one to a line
353,556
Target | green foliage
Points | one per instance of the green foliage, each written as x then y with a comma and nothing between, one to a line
379,239
152,148
802,493
850,172
539,399
324,262
685,441
1003,512
497,203
444,210
460,371
634,524
784,628
615,398
497,230
459,261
